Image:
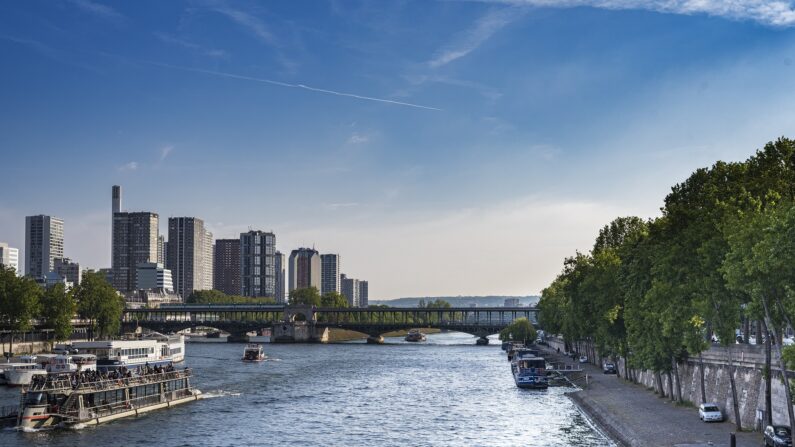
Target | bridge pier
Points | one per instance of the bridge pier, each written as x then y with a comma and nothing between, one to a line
375,340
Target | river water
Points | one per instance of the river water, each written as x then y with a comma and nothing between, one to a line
444,392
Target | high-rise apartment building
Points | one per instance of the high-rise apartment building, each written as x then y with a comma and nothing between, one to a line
329,273
364,293
304,269
68,270
43,244
161,247
280,265
9,257
226,268
189,255
258,263
350,289
134,242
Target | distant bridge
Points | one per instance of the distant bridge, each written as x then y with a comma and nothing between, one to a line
237,319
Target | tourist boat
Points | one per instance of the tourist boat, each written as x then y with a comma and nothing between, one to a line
529,372
64,401
253,353
415,335
154,350
17,374
50,364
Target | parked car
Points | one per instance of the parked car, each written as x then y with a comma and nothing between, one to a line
583,359
609,368
709,412
777,436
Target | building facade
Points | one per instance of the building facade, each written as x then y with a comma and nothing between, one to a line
280,265
68,270
304,269
226,268
350,289
161,247
153,275
9,257
329,273
134,242
258,264
364,293
189,258
43,244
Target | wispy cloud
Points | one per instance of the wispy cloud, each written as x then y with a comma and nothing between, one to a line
131,166
251,23
173,40
97,9
768,12
358,138
485,27
165,151
295,86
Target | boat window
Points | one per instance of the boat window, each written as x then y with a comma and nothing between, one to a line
34,398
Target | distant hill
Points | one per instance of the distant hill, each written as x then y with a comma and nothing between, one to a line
459,301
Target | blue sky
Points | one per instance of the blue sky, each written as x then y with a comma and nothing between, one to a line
442,147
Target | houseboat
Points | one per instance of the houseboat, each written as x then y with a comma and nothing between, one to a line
415,335
529,372
253,353
92,398
154,350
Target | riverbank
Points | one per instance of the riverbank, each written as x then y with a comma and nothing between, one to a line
632,415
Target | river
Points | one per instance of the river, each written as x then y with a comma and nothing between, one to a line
444,392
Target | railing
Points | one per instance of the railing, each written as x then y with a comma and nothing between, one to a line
108,409
64,384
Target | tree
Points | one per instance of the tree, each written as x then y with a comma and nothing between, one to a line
520,329
19,302
308,296
58,307
100,304
333,299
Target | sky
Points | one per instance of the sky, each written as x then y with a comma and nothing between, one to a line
440,147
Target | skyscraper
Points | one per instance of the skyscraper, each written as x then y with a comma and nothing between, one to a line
258,263
134,242
364,293
350,289
9,257
116,197
226,268
43,243
189,257
329,273
161,250
304,269
280,265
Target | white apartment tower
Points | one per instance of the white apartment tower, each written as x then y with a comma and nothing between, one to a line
189,255
43,244
9,257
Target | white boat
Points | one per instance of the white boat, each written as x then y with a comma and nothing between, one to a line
415,335
20,373
253,353
154,350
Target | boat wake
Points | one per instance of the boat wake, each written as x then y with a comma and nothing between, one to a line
219,393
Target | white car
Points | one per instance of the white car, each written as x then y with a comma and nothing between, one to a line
583,359
710,412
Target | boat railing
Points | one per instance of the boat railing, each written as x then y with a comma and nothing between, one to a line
110,408
105,384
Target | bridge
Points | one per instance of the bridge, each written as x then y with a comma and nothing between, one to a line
238,319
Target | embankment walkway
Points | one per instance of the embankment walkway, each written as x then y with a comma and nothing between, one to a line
635,416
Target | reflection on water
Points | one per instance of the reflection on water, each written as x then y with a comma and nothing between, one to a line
445,391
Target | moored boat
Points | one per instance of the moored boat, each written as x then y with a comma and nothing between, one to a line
253,353
529,372
415,335
92,398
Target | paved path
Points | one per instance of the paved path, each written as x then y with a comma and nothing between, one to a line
635,416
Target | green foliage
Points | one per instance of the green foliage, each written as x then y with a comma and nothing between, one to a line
99,303
218,297
309,296
19,300
333,299
520,329
58,307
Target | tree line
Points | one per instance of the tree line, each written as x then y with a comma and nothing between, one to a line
24,304
719,257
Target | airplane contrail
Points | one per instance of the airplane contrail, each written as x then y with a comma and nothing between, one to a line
298,86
